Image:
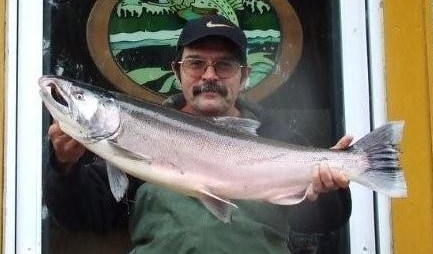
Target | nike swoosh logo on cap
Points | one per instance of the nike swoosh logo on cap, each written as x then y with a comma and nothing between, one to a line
211,24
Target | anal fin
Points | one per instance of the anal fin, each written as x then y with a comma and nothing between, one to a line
289,199
221,208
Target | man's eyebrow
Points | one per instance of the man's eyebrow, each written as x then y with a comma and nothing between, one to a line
194,56
230,58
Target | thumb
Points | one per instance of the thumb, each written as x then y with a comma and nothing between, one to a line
343,143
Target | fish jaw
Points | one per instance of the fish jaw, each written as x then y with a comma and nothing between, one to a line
55,96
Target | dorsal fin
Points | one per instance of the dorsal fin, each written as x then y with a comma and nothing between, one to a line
245,125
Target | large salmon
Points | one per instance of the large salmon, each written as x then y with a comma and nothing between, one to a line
208,159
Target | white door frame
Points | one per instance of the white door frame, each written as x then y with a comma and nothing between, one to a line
23,166
365,109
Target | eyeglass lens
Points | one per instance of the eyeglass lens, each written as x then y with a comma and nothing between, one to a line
223,68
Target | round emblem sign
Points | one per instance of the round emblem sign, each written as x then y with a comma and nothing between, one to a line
133,42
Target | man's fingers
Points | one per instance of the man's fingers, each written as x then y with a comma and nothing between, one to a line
62,143
70,151
61,139
72,144
340,179
58,137
317,184
312,195
343,143
67,150
326,179
325,176
54,130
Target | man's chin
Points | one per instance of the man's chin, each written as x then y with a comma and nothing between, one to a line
210,96
211,107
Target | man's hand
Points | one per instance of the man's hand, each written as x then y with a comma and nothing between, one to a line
325,178
67,150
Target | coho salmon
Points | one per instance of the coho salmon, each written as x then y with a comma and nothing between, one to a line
206,158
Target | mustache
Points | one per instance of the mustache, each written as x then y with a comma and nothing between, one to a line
210,87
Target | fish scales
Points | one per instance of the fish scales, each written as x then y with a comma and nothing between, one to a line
214,149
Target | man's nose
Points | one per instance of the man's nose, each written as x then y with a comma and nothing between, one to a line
210,73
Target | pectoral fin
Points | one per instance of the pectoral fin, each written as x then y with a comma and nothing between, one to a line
221,208
118,181
124,152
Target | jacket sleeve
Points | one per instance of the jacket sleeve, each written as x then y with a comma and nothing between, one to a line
82,199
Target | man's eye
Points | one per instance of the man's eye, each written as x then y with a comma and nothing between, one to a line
226,64
195,63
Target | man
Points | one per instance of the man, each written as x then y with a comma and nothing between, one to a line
211,66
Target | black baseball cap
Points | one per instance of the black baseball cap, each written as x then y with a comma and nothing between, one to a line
214,25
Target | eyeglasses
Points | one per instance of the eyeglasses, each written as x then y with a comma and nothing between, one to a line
223,68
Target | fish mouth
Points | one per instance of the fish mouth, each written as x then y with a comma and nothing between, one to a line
57,95
52,89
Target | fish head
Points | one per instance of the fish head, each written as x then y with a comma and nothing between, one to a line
83,112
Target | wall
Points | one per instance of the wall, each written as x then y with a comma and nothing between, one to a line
408,40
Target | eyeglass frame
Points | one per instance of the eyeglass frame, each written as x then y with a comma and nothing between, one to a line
211,63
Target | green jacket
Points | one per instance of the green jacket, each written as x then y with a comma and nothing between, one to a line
167,222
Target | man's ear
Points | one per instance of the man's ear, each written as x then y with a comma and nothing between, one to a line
176,69
245,72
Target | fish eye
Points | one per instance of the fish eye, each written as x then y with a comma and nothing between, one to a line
79,96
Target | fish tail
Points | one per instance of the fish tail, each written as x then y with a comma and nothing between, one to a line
382,150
